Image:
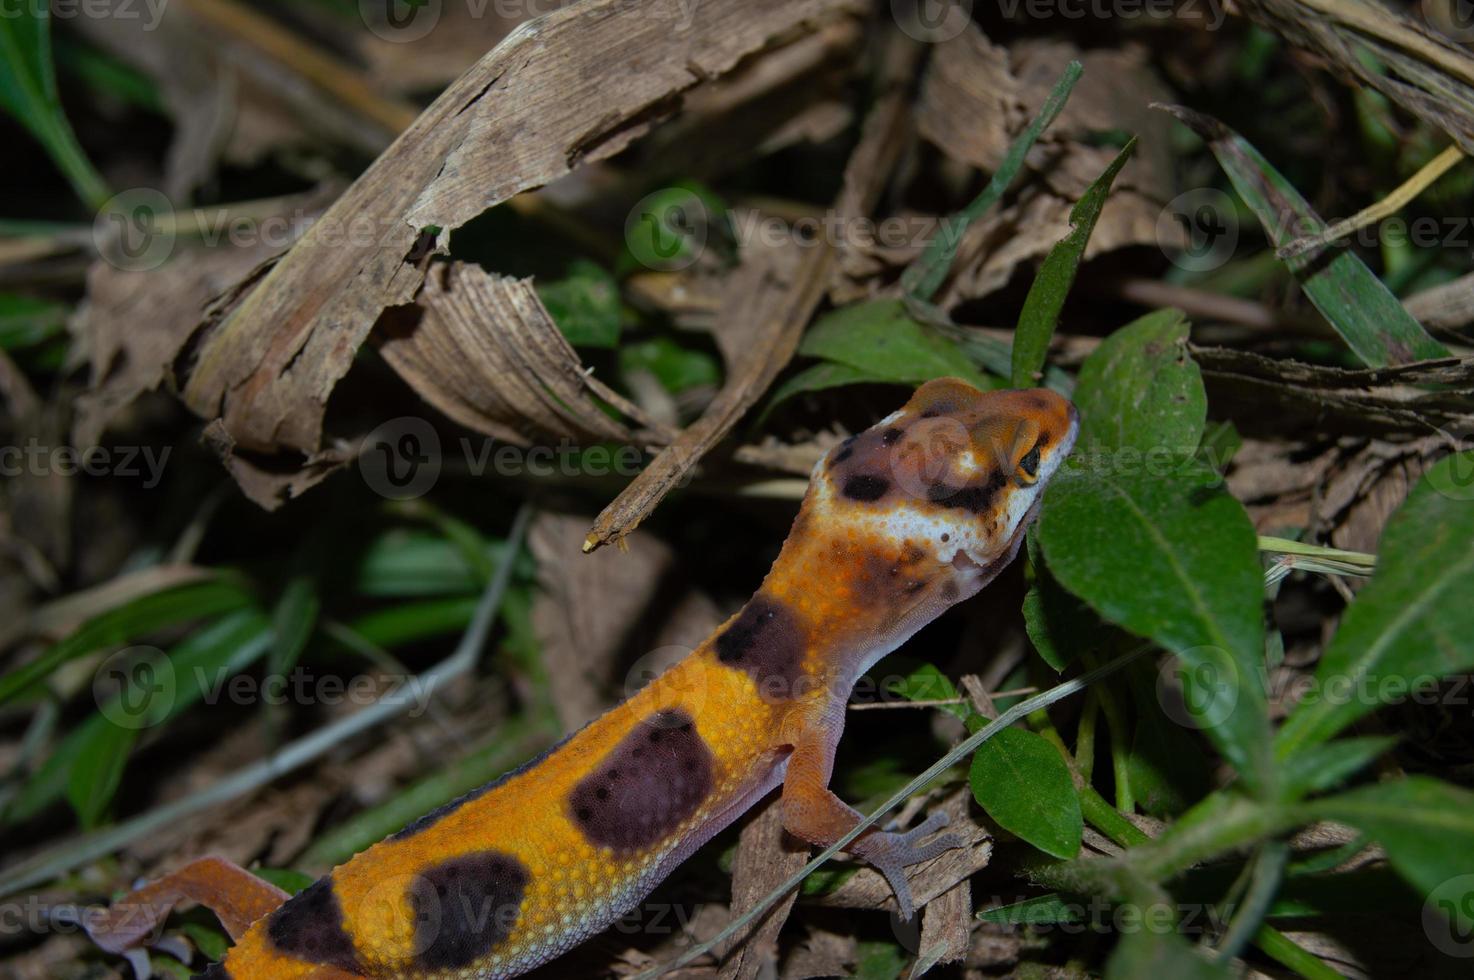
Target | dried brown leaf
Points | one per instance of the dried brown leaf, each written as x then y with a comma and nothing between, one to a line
574,86
766,857
586,608
483,349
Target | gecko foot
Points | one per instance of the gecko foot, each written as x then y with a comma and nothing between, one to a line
891,854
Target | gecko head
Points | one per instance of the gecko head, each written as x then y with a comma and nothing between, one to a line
956,472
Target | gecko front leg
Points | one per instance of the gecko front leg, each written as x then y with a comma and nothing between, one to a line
812,812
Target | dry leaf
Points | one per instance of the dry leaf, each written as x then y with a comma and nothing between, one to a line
586,608
482,349
766,857
526,113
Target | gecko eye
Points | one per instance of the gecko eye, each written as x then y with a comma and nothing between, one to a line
1028,467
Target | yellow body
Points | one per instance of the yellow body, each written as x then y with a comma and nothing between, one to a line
900,522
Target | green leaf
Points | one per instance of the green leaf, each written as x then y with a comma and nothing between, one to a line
28,92
926,683
1020,779
200,665
1139,390
1427,829
925,276
1413,622
1052,283
1167,772
675,367
97,771
585,304
292,622
820,377
1316,768
879,961
1041,910
1150,952
1358,305
1058,624
26,321
136,618
1174,559
882,340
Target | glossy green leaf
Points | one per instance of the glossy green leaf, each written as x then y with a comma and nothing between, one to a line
585,304
677,368
1140,391
97,771
1427,829
1041,910
1058,624
1172,558
1056,275
28,92
819,377
292,622
1316,768
135,619
1413,622
1358,305
1022,782
881,339
925,275
926,683
201,664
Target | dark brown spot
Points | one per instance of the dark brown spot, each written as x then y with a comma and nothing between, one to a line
889,436
309,927
464,907
949,590
766,641
659,791
864,487
844,453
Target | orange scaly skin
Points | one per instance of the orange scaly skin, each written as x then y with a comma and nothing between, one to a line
899,523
